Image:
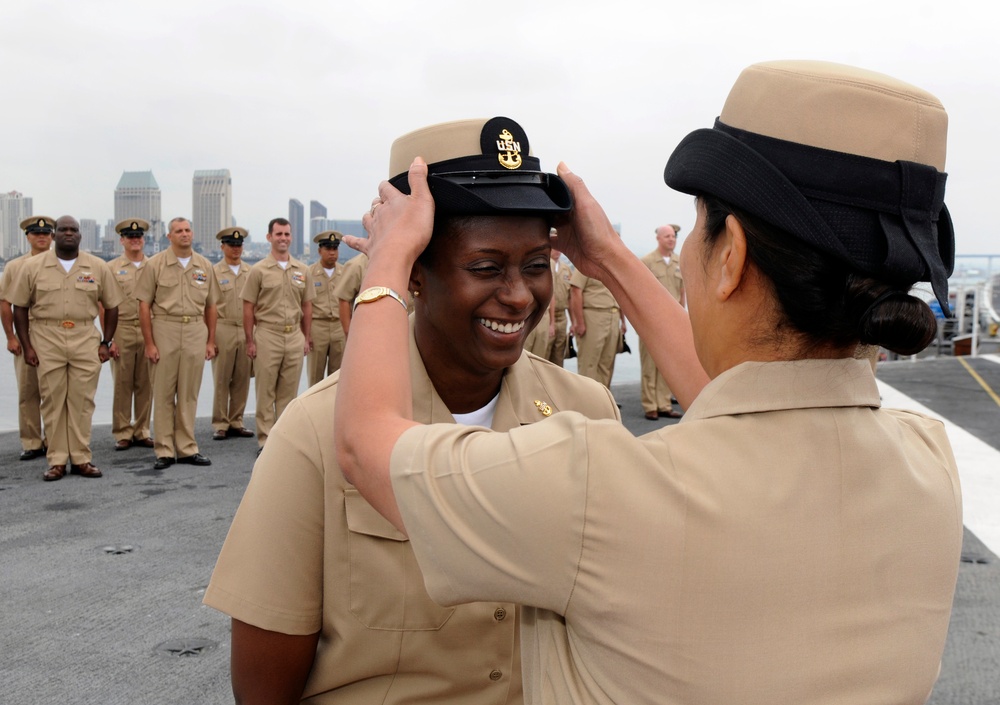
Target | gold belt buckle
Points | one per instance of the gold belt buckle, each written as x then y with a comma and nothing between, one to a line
185,319
289,329
68,324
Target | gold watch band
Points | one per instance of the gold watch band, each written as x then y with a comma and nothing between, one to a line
374,293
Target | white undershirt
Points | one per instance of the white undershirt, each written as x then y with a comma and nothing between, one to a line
137,264
479,417
283,265
67,264
184,261
234,268
329,272
666,259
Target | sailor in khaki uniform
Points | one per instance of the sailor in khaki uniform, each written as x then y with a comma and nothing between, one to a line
558,344
277,317
129,366
332,582
598,325
177,295
63,289
38,229
327,333
788,541
348,287
666,267
231,368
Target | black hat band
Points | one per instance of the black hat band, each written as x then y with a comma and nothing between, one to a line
800,189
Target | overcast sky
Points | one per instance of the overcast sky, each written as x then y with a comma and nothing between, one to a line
302,99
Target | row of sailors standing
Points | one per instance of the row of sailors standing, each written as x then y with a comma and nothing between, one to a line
160,318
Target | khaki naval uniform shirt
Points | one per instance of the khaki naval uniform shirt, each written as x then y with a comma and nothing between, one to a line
654,391
131,370
29,415
787,542
349,284
231,367
178,297
63,306
306,553
597,348
327,333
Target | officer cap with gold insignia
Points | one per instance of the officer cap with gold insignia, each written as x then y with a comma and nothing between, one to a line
38,224
232,236
480,167
132,227
329,238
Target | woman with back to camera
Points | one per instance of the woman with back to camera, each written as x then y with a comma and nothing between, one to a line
789,541
327,601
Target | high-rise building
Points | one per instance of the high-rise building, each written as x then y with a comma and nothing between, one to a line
211,207
296,216
90,235
316,210
14,208
138,196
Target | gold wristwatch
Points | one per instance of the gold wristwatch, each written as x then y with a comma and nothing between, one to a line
374,293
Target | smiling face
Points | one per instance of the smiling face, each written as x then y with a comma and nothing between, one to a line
280,238
483,284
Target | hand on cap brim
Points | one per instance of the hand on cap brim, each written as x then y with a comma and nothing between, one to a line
586,236
400,225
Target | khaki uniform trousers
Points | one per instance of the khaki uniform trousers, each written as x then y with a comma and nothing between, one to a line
328,349
596,349
176,383
557,346
231,372
133,384
277,371
68,371
537,342
29,405
654,390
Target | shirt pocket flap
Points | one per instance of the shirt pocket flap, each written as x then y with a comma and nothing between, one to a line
363,519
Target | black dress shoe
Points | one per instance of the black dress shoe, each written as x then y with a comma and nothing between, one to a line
240,433
196,459
163,463
220,436
32,454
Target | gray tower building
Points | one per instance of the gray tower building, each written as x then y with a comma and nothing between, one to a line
296,216
211,207
316,210
138,196
14,208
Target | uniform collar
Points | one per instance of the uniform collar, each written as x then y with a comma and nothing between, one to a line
754,387
516,406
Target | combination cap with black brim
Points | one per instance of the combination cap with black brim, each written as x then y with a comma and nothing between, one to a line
480,167
885,217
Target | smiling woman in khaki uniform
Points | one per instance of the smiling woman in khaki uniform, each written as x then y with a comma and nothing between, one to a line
788,541
308,561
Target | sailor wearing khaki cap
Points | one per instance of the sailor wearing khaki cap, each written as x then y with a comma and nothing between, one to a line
133,400
38,229
327,332
789,540
231,368
482,286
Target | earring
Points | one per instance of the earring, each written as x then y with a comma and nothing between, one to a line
415,293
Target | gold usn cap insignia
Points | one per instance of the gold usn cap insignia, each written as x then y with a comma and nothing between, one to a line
510,152
543,407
